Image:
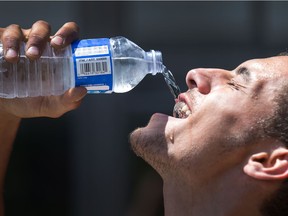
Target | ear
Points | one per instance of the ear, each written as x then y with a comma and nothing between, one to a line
268,166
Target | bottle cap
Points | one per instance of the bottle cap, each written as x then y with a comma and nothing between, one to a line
156,58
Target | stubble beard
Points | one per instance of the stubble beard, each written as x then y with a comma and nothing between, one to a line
151,147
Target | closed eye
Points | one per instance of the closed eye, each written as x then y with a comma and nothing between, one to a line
235,85
244,72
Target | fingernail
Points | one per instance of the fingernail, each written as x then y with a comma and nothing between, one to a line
33,51
11,53
57,40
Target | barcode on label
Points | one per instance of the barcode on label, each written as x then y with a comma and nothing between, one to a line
93,66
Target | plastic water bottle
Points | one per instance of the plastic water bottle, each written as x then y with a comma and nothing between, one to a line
101,65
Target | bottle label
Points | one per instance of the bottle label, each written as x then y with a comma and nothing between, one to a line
93,65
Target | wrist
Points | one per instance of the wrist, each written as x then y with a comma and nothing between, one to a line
8,128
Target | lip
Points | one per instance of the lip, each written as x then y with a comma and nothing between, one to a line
180,103
183,97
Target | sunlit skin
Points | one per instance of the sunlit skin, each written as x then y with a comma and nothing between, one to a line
203,156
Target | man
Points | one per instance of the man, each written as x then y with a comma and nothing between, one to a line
226,153
12,110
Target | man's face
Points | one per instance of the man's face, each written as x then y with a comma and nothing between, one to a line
219,117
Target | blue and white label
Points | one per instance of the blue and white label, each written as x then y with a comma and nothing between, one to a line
93,65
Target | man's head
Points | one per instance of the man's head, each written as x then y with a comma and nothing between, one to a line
233,127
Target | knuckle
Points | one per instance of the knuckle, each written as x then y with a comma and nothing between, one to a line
12,31
42,23
14,26
36,38
71,24
37,41
41,28
10,41
72,27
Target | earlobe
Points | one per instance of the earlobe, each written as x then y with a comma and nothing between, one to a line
268,166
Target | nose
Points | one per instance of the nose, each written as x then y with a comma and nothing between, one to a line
206,79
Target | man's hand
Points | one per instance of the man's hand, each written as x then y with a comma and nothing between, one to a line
36,39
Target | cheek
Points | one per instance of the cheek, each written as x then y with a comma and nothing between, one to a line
179,137
199,153
196,135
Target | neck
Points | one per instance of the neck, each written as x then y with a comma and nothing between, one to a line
225,198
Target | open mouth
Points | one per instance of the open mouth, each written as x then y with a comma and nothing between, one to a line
181,110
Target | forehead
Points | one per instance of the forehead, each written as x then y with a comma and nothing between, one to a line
267,68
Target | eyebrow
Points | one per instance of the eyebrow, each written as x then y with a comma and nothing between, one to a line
243,71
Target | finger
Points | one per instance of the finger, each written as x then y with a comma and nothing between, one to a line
70,100
74,95
38,37
11,38
65,35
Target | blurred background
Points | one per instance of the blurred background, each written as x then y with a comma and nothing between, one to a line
81,164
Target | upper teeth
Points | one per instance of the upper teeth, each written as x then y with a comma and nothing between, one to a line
181,110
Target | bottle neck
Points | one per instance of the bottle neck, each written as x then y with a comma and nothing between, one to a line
154,59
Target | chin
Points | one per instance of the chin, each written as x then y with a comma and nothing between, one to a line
158,118
149,141
160,123
156,125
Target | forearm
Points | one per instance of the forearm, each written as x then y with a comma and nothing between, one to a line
8,129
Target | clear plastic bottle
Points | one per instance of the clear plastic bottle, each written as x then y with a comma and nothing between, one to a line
101,65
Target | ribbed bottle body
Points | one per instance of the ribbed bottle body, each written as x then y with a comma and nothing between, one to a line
49,75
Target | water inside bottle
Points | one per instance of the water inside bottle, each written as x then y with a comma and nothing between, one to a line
43,77
171,82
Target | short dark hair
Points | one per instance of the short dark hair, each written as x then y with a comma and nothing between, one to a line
277,127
